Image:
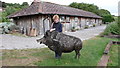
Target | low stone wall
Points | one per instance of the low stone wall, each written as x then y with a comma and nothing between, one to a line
112,36
104,59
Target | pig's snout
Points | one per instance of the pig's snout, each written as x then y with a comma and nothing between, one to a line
39,41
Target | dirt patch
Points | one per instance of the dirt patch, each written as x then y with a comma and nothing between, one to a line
20,62
19,58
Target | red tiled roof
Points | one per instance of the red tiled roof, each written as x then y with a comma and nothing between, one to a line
51,8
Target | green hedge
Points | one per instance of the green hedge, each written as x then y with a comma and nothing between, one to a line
112,28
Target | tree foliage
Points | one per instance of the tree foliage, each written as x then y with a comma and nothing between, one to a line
118,21
107,17
84,6
10,8
25,4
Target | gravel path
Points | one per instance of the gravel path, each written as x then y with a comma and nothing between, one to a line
15,42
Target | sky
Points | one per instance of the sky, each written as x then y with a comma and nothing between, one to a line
110,5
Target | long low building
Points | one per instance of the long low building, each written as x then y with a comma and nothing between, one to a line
37,18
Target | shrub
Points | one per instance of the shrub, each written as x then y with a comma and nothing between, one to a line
6,27
112,28
73,29
86,27
94,25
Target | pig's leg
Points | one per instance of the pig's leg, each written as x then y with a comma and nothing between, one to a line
58,54
77,54
55,54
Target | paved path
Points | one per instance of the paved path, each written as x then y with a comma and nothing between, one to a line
15,42
87,33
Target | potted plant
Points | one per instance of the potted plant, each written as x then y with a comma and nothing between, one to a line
94,25
86,27
73,29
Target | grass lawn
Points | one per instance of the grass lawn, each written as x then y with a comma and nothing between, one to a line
90,55
113,60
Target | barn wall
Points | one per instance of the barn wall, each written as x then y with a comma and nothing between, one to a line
29,25
93,21
97,21
69,22
79,24
83,22
90,22
100,21
38,24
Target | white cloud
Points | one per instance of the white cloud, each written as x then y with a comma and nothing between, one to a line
111,5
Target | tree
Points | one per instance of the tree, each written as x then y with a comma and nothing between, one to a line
11,8
103,12
74,4
107,17
86,7
25,4
4,19
2,4
118,21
